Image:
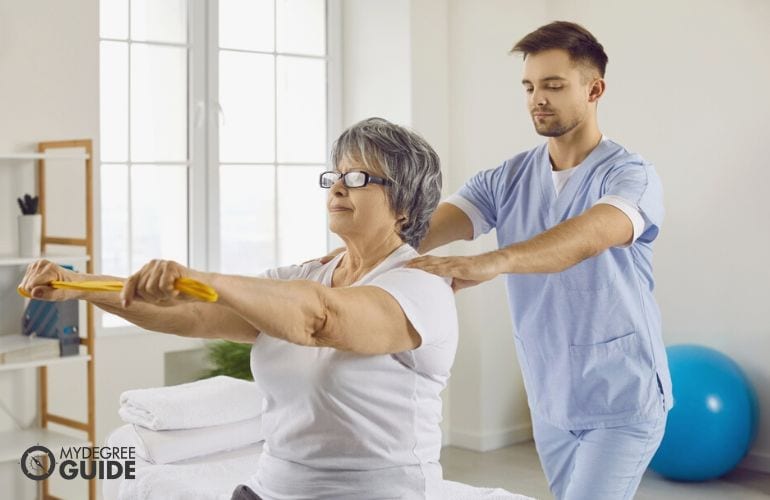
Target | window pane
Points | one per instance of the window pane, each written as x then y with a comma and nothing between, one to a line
301,26
159,20
114,203
246,24
301,215
158,214
301,110
113,18
113,105
115,248
247,97
247,218
158,103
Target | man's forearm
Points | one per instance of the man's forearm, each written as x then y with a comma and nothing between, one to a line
448,224
554,250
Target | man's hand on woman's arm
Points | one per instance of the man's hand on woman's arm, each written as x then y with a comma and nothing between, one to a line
552,251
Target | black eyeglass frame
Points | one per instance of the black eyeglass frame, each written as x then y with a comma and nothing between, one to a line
368,178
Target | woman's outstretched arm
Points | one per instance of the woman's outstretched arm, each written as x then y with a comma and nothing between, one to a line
365,320
187,319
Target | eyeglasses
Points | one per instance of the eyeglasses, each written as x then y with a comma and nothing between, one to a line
352,179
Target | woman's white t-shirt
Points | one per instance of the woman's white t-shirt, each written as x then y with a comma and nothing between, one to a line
348,426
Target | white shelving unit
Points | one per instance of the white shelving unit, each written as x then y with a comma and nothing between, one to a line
13,443
15,260
44,156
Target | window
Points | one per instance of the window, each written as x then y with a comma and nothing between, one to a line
272,133
214,128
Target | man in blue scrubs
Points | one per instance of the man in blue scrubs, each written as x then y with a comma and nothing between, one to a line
575,218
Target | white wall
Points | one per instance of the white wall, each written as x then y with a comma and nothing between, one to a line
49,89
395,65
48,83
376,50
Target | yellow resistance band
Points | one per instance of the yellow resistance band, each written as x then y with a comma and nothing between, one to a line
187,286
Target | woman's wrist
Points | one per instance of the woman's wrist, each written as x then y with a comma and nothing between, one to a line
73,277
214,280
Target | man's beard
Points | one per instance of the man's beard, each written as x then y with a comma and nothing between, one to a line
556,129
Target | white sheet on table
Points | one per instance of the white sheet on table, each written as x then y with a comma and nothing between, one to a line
216,480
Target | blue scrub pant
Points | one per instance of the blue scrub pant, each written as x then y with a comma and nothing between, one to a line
596,464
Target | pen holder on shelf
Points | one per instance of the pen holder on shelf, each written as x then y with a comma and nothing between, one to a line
30,234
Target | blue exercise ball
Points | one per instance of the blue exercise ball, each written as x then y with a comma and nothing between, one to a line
714,419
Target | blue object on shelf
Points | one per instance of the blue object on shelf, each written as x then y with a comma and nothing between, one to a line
54,320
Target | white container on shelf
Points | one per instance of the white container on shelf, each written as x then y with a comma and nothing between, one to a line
30,234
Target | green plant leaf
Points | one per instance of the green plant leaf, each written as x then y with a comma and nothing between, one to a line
229,358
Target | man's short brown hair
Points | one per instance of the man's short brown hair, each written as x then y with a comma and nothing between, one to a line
577,41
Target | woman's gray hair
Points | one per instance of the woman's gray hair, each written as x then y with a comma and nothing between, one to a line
408,162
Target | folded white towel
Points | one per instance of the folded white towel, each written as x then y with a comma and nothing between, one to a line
164,447
122,436
212,401
126,435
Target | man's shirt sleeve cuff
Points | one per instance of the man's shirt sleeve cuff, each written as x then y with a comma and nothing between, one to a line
631,211
480,224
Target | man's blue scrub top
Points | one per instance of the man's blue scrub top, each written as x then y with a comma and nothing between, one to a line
588,339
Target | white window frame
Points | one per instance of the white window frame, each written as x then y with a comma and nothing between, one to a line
333,117
189,46
203,149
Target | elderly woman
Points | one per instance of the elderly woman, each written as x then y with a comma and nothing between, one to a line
352,354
